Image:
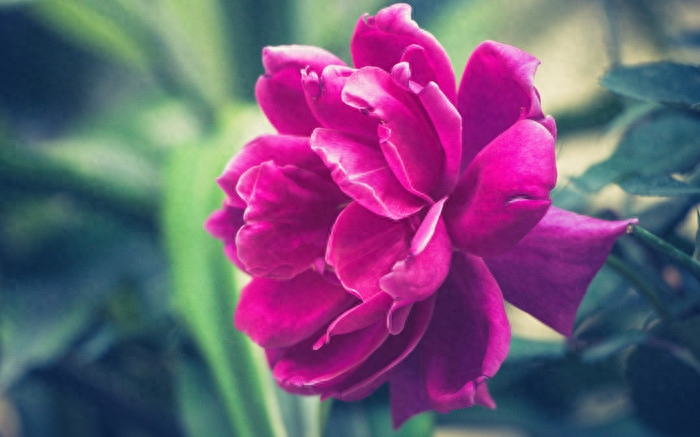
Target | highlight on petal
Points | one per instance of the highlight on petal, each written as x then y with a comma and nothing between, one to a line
280,149
279,91
288,219
224,224
361,171
363,247
548,272
324,97
407,138
282,313
504,192
496,91
381,41
466,343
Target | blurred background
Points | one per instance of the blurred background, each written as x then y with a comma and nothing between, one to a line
116,116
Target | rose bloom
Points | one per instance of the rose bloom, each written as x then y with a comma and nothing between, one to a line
391,215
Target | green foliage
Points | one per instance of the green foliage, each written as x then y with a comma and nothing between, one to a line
663,82
653,148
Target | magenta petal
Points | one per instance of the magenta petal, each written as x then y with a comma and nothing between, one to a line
417,276
282,313
548,272
288,219
409,142
378,368
358,317
448,125
363,247
504,192
496,91
280,149
279,91
470,339
361,171
381,41
324,96
302,369
224,225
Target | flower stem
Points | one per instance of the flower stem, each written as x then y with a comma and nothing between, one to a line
656,243
643,287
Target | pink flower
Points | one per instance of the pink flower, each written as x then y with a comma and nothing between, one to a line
392,213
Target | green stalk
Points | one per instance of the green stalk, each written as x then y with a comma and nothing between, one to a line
656,243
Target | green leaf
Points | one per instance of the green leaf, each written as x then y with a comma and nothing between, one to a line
663,82
657,185
522,348
193,36
201,407
100,26
205,292
613,345
664,142
44,310
696,252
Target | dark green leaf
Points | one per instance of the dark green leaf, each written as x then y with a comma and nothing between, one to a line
657,185
42,314
662,143
664,82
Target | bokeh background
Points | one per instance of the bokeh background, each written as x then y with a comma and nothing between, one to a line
115,306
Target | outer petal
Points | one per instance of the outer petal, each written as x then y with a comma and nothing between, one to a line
504,192
304,370
279,91
282,313
224,225
288,219
381,41
496,91
465,344
407,138
361,171
548,272
377,369
280,149
363,247
324,97
360,316
416,277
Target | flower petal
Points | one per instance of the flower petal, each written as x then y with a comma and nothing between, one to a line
280,149
282,313
324,97
504,192
288,219
363,247
279,91
361,171
377,368
381,41
358,317
548,272
496,91
406,136
464,346
423,270
304,370
224,225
